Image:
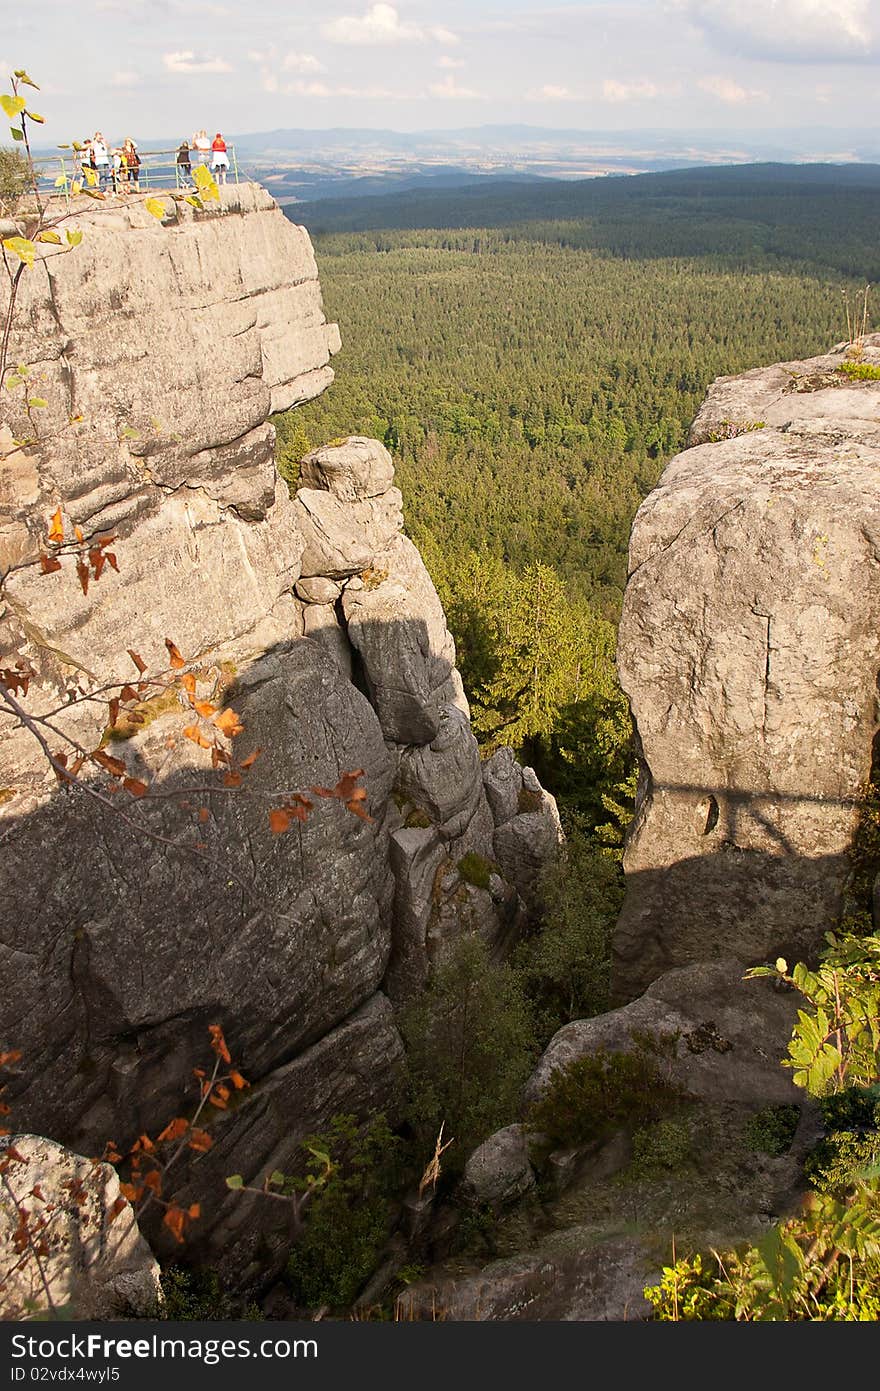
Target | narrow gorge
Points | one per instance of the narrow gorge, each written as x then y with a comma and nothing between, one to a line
749,648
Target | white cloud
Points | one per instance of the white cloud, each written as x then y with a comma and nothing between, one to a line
381,24
301,62
630,91
326,89
190,62
126,79
551,93
728,91
790,31
449,90
444,61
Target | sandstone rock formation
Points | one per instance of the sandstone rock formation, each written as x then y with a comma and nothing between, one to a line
749,647
91,1261
161,351
726,1035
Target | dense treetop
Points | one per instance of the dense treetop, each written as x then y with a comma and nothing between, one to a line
532,371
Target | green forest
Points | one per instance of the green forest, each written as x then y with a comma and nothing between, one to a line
531,373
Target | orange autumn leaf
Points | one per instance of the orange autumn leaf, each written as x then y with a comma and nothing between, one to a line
174,1129
112,765
251,759
82,572
193,1211
153,1181
174,1219
232,779
229,724
56,528
138,661
13,1056
176,660
128,693
218,1043
111,561
279,820
193,732
48,563
114,1211
238,1081
114,711
200,1141
358,810
130,1191
347,785
204,814
135,787
78,533
188,682
205,708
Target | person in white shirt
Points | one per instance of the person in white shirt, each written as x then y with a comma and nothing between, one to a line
101,158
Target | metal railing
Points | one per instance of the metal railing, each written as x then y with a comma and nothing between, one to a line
58,175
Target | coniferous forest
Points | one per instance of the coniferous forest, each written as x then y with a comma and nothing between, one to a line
532,356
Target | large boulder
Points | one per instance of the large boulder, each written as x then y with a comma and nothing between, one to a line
724,1035
747,662
80,1254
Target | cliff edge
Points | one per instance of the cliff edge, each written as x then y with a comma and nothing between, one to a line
749,647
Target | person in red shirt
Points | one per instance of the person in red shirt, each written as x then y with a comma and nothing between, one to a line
219,158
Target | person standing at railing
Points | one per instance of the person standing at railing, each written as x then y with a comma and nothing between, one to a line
219,158
202,145
132,163
184,168
100,161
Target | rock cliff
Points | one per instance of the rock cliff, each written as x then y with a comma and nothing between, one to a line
161,351
749,648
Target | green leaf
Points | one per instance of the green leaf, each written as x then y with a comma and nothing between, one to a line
276,1178
12,105
91,176
61,181
22,248
35,116
196,202
155,207
37,403
235,1181
50,236
21,74
73,237
78,146
16,133
13,381
205,183
781,965
76,186
128,433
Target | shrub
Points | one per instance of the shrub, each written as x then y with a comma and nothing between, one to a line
476,870
199,1296
666,1145
594,1096
860,371
470,1046
349,1219
771,1130
566,965
291,446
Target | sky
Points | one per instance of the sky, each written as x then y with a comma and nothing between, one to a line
147,67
